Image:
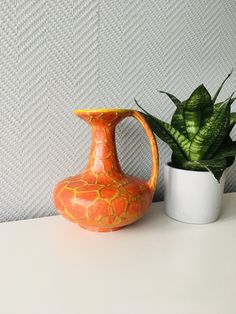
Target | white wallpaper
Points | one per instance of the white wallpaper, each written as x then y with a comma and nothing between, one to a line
58,55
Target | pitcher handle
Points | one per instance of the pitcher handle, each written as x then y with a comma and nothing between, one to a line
154,149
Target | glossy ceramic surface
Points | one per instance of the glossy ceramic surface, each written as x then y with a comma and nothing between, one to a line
102,197
192,196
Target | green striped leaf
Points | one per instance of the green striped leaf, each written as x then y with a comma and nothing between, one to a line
232,99
232,118
220,88
210,136
178,163
226,150
175,100
221,140
215,166
177,141
196,109
206,114
177,120
230,161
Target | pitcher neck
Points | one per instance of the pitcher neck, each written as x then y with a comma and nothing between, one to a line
103,154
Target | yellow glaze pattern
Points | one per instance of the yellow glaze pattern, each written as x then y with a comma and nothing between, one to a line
102,197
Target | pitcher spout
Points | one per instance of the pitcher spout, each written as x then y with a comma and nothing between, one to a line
109,116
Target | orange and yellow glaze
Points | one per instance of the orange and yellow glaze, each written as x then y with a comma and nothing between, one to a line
102,197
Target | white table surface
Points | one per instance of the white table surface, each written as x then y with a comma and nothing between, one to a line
158,265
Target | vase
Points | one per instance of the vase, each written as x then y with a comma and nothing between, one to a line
192,196
102,197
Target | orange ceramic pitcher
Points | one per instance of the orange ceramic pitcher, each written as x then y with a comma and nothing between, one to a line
102,197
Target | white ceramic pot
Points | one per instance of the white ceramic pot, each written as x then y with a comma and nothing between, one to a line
192,196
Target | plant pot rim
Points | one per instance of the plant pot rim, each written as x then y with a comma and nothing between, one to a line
195,172
168,164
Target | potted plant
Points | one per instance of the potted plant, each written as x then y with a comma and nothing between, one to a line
199,136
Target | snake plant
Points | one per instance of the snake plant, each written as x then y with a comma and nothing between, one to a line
199,132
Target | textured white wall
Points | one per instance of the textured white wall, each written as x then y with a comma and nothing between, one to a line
58,55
